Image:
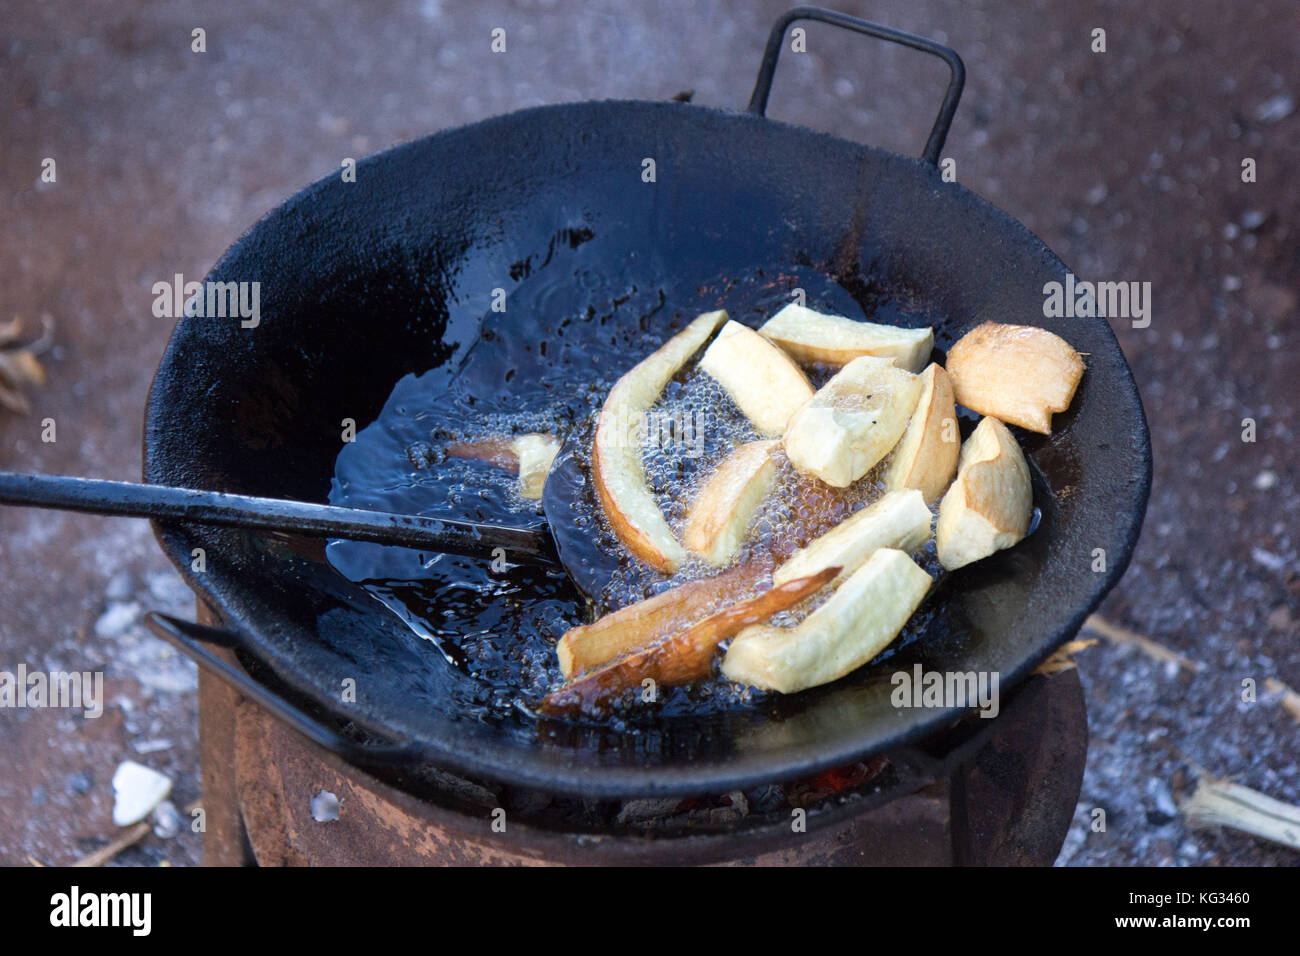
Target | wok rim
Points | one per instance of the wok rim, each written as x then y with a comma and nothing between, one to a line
736,771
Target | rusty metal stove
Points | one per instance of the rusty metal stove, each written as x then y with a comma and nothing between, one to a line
1000,791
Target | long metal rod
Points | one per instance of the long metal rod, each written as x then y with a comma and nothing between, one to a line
95,496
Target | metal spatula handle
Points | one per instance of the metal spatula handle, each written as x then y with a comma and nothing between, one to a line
95,496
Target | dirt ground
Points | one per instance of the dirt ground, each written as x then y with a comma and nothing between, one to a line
1126,162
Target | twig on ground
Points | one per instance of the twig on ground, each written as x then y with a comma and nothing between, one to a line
1122,635
134,835
1219,803
1063,658
19,366
1290,699
109,850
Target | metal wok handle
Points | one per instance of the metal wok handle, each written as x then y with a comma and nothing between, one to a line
190,639
957,70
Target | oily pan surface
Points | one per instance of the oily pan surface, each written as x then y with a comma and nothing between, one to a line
365,283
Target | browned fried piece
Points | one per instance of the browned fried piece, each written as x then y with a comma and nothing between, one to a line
683,657
592,645
498,452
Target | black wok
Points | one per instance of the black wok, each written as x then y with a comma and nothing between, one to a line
365,282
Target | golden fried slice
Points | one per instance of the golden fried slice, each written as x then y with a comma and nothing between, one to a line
1016,373
812,336
926,457
764,382
528,456
617,470
898,520
989,504
858,621
853,421
535,453
726,503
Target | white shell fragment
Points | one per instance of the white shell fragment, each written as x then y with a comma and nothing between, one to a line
324,807
136,791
